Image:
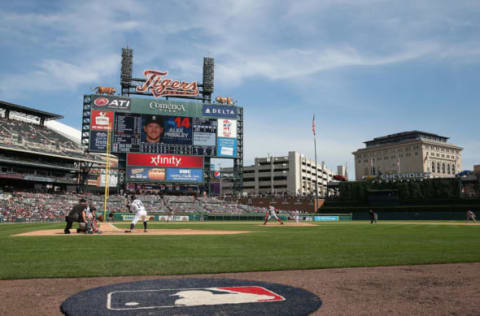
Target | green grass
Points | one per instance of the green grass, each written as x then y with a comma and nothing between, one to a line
329,245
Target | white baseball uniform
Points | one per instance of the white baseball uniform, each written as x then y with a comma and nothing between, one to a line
139,209
297,216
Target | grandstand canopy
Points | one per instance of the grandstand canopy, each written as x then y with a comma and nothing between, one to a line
29,111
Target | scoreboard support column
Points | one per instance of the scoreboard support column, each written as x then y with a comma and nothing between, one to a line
207,173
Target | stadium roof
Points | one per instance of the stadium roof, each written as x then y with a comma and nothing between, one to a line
403,136
29,111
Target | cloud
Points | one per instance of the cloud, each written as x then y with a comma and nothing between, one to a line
58,75
295,63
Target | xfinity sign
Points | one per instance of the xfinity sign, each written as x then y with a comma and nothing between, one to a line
220,111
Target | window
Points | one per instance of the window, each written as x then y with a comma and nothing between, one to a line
443,167
438,167
448,169
453,169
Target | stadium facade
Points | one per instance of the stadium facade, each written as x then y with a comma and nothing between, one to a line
292,175
34,156
409,154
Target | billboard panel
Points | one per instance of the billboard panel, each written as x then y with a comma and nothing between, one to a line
166,107
103,102
101,120
227,147
164,168
98,141
227,128
155,160
184,175
147,174
215,110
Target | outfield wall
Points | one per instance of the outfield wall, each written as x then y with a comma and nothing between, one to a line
231,217
410,215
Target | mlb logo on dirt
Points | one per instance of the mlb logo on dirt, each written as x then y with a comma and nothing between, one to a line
171,298
194,297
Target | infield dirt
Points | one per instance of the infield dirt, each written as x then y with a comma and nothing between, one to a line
443,289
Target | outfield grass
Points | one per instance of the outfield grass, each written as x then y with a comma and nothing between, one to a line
329,245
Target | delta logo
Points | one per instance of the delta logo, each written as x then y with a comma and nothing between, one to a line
219,111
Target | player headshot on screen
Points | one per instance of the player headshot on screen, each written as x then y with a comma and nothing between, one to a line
153,129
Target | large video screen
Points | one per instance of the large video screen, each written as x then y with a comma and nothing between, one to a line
139,133
150,133
163,127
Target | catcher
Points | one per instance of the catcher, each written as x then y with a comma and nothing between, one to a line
92,218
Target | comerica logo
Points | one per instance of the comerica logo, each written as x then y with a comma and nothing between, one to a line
167,107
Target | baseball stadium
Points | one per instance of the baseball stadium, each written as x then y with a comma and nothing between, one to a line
153,236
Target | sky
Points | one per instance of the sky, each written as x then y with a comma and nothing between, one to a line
364,68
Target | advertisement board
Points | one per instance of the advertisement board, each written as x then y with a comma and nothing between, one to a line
101,120
104,102
164,168
184,175
155,174
227,128
148,174
226,147
154,160
98,141
219,111
325,218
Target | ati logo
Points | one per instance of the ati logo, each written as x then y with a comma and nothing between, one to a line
171,298
112,104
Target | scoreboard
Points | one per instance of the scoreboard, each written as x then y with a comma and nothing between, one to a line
182,128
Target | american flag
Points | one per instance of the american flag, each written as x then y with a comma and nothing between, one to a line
314,126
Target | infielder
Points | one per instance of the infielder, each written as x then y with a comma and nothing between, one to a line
296,214
140,213
471,216
271,213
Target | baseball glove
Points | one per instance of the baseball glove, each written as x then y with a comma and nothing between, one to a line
100,218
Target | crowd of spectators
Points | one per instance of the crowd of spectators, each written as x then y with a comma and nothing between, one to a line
33,207
22,135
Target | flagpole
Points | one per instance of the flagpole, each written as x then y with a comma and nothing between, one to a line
316,167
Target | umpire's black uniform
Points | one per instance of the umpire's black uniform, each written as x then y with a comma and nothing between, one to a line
75,215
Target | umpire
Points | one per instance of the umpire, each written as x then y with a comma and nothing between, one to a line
77,214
